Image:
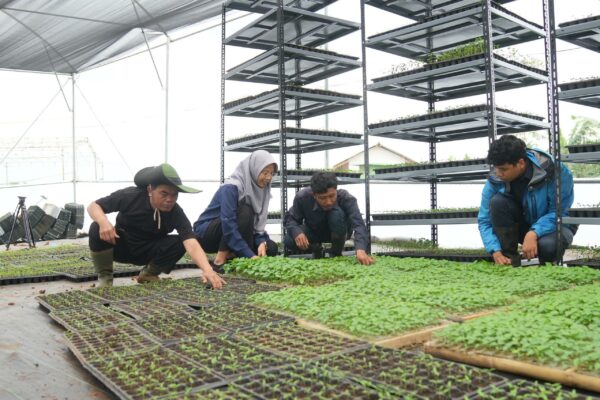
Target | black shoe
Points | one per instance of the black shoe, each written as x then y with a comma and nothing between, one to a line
218,268
317,251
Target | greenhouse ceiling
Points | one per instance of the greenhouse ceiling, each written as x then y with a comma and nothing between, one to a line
71,36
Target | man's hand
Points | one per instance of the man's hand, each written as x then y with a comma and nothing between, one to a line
302,241
364,258
499,258
108,233
530,247
213,278
262,249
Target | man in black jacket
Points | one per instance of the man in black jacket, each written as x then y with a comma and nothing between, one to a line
147,213
323,213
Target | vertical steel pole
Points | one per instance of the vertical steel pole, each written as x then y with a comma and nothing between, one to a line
282,114
222,143
365,123
73,144
433,194
553,114
167,99
489,70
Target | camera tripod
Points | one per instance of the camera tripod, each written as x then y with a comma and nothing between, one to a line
21,212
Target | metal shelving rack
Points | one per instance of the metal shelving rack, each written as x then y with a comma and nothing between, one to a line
441,25
584,33
289,32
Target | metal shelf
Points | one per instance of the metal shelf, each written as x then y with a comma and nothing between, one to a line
436,221
303,179
592,157
457,28
263,6
586,96
458,78
457,124
582,220
308,141
584,32
303,65
300,27
419,9
449,174
300,103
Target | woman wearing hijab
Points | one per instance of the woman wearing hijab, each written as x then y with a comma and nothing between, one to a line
233,224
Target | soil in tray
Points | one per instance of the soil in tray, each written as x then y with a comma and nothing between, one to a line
234,317
228,356
412,373
291,340
64,300
303,381
154,373
95,344
83,318
173,327
530,390
152,307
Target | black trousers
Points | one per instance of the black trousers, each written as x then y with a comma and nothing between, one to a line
213,241
506,211
162,251
335,229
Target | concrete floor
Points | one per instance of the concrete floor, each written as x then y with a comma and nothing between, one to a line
35,362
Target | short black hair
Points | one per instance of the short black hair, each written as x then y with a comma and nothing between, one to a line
322,181
508,149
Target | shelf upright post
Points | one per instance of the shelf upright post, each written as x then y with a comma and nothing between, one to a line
553,113
282,116
298,125
432,141
489,70
222,150
366,124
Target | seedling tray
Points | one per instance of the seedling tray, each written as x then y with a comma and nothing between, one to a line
583,148
522,389
228,392
310,140
199,298
457,78
227,356
151,307
303,65
432,166
291,340
84,318
302,381
459,27
450,171
154,373
31,279
584,212
263,6
408,373
97,344
522,368
438,256
585,92
584,262
300,27
302,177
169,328
300,103
426,215
67,300
119,293
582,32
457,124
418,10
235,317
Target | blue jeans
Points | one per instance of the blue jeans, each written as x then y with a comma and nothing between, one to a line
505,211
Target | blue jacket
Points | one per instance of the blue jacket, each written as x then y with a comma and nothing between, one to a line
224,206
539,203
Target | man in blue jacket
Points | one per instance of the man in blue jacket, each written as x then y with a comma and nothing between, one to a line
518,204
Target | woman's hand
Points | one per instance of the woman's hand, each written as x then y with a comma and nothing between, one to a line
262,249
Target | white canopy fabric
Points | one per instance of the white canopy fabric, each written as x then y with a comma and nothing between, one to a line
70,36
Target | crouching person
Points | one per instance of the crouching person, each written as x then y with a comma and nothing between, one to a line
147,213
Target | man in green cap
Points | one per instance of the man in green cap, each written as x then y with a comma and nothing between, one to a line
147,213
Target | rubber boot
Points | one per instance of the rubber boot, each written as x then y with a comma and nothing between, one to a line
103,264
317,250
509,241
149,273
337,245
